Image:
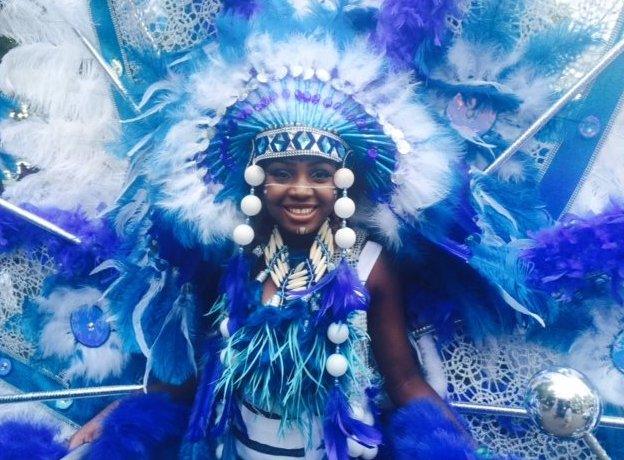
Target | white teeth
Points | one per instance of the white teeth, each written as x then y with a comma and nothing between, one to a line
302,211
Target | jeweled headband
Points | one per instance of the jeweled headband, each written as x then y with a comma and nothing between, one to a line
292,141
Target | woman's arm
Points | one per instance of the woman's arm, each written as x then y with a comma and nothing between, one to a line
388,332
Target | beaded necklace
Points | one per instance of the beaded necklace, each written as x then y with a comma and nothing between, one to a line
308,272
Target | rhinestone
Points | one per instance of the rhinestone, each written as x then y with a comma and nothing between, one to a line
262,77
341,149
261,145
63,404
325,144
5,366
280,142
303,140
589,127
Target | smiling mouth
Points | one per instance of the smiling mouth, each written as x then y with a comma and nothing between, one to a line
299,212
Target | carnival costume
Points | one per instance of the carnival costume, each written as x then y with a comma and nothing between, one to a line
407,100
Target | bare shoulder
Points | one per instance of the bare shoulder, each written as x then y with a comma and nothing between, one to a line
383,276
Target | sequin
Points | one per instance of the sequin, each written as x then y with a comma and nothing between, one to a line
89,326
5,366
589,127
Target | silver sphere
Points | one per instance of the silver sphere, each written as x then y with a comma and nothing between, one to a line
563,403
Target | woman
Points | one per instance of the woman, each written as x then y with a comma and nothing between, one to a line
313,126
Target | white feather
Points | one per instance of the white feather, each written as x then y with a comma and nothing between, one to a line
72,116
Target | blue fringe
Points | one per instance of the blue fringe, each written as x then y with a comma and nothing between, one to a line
21,440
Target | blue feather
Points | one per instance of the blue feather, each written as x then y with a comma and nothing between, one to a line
235,286
338,424
172,357
205,398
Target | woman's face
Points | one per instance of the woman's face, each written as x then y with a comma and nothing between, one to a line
299,193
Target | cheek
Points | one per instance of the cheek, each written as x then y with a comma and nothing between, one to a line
326,200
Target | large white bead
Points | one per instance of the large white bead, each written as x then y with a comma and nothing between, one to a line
344,178
345,238
344,207
243,234
223,327
254,175
223,355
219,451
355,448
251,205
337,333
336,365
370,453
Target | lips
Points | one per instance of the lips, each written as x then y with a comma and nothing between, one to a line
300,212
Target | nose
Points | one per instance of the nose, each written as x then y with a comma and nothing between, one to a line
301,188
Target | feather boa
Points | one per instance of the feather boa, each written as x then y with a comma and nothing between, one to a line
36,441
142,426
73,260
422,430
580,255
406,29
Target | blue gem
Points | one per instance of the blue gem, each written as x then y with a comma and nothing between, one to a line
5,366
617,352
303,140
280,142
261,144
325,144
89,326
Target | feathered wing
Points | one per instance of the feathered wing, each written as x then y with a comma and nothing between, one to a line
71,117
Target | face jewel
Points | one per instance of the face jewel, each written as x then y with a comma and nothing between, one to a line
280,142
325,144
303,140
261,145
89,326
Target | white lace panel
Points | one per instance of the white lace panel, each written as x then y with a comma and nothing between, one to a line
21,276
164,25
497,374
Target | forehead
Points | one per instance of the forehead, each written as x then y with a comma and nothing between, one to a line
302,162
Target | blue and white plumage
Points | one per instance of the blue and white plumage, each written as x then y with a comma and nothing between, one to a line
94,362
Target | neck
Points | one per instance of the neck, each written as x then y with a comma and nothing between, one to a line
295,241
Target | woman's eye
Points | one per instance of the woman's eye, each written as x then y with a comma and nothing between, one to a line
321,175
280,174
